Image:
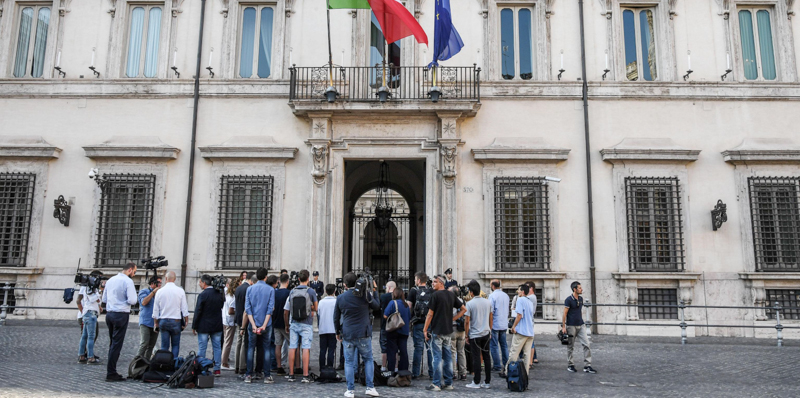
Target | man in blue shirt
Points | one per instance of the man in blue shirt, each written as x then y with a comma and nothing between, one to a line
351,317
500,305
119,295
259,303
146,328
523,328
572,324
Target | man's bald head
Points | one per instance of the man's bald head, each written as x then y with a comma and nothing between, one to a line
390,286
170,277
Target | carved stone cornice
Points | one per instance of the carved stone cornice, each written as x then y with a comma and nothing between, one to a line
28,147
649,149
519,149
112,8
248,147
132,147
771,150
224,11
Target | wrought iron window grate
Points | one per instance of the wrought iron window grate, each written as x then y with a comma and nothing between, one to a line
775,213
651,297
126,219
655,224
16,204
12,298
786,298
512,292
521,224
244,228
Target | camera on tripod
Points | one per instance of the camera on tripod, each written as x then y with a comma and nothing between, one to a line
92,281
155,262
339,286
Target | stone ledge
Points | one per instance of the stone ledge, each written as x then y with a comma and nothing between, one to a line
652,149
143,147
656,275
396,107
546,275
770,276
775,150
520,149
248,147
20,271
27,146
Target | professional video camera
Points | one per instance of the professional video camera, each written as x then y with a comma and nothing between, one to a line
563,337
294,280
91,282
364,283
340,288
154,262
218,283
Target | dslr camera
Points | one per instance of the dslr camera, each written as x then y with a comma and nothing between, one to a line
563,337
339,286
154,262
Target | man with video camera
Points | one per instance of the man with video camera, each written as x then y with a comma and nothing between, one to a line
351,318
147,332
207,323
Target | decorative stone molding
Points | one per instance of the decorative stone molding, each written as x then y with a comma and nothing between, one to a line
632,281
658,149
759,282
520,149
548,8
112,8
319,155
22,277
753,150
789,10
27,146
224,10
405,108
141,147
548,280
449,172
725,8
248,147
672,11
63,7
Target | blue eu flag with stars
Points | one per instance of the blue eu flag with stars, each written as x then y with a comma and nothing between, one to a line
446,41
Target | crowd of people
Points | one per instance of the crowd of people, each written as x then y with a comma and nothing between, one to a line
274,321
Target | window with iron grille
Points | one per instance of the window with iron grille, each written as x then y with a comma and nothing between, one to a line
539,307
775,212
125,220
655,226
521,224
16,203
244,229
11,299
658,297
788,299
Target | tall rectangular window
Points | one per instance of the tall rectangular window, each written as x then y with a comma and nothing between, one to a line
144,37
16,204
655,226
377,52
516,42
125,221
638,31
521,224
34,22
758,53
255,42
786,298
244,228
775,212
658,304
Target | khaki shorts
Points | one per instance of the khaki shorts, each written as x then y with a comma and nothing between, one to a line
280,337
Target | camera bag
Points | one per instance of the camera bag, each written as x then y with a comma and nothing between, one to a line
162,361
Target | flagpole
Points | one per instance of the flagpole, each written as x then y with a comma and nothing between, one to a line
385,49
330,52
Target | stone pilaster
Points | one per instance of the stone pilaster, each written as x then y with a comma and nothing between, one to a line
320,150
631,287
449,139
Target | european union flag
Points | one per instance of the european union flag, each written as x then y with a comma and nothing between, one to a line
446,41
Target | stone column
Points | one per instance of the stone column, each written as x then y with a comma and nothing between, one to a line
319,237
631,298
549,292
448,166
685,294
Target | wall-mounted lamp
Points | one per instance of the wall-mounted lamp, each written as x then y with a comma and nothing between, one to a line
210,71
331,94
96,73
175,69
61,73
719,215
435,93
727,72
62,210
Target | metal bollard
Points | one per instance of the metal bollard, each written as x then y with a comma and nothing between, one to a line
681,307
4,307
778,325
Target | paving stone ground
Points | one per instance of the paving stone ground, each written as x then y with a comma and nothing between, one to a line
40,359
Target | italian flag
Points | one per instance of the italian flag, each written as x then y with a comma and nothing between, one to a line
395,20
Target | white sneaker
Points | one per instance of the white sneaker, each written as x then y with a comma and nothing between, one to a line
485,385
349,394
473,385
372,392
226,368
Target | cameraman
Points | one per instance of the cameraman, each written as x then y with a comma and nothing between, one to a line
89,304
351,318
419,296
572,324
81,312
148,335
207,323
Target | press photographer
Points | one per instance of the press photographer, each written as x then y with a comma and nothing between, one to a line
89,309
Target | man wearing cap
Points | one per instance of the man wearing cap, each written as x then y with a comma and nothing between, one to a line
448,273
317,285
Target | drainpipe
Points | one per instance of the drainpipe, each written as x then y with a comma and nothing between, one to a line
193,144
585,94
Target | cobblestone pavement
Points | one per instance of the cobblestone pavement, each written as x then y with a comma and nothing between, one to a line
40,359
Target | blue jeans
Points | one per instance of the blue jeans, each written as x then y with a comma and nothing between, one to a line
170,330
300,336
499,345
216,346
88,335
262,342
361,347
442,359
420,345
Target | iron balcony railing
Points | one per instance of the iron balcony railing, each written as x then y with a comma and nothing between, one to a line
361,83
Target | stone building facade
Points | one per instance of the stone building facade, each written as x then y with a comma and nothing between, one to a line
689,103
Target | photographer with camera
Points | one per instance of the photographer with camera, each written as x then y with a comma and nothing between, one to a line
207,322
171,314
572,325
351,317
119,295
458,341
85,290
89,306
440,322
147,332
239,317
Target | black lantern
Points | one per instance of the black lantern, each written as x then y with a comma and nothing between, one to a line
384,94
331,94
62,210
383,208
719,215
435,94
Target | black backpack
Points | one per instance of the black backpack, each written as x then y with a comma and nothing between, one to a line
154,376
137,367
378,379
162,361
328,375
421,305
186,375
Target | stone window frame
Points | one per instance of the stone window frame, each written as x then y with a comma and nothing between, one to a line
542,49
118,38
229,181
781,15
231,37
360,38
9,33
664,12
